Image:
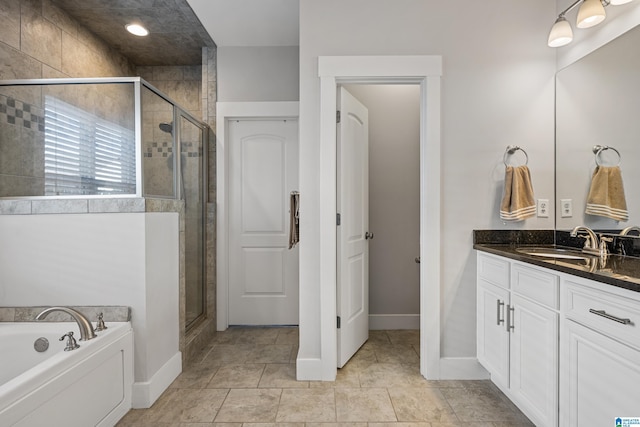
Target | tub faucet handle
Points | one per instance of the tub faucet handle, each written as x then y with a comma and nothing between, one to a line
100,326
71,341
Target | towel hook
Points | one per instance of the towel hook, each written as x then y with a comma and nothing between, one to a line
598,149
511,149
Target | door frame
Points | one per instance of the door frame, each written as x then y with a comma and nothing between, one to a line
226,111
425,70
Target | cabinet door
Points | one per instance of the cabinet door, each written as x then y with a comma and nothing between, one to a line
493,339
600,378
533,378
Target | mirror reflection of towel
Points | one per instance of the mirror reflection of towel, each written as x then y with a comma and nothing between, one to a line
606,195
518,202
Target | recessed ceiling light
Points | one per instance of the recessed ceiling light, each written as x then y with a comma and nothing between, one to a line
137,29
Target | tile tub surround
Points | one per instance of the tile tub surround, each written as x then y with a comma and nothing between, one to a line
615,270
224,384
28,314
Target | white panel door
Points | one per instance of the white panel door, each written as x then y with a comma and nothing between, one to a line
353,233
263,272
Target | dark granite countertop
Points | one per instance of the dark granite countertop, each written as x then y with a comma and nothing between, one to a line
616,270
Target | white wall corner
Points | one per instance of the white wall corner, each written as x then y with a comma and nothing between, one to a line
462,368
144,394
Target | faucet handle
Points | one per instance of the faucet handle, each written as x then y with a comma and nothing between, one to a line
100,326
604,249
71,341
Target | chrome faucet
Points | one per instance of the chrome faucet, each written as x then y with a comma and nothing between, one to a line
86,329
627,230
591,245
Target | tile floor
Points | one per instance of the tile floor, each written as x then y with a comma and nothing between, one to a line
246,378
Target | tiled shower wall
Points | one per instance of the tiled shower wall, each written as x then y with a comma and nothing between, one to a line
39,40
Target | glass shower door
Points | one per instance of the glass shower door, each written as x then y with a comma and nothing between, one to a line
193,191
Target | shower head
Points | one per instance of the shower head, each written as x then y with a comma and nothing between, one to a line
166,127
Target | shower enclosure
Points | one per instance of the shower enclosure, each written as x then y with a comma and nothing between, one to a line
108,138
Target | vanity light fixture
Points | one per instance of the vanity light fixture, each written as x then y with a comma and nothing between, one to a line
590,13
137,29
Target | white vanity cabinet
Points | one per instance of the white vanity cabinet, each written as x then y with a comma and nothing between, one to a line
600,354
517,334
564,349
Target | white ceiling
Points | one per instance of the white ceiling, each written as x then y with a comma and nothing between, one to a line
249,22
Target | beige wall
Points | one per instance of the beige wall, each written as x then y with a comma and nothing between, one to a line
39,40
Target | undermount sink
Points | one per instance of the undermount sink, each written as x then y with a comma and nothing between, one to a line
551,252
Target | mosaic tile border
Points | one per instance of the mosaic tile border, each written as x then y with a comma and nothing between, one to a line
20,113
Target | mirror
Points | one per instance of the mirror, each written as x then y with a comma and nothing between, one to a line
598,103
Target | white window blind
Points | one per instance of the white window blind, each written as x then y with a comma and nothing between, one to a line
86,155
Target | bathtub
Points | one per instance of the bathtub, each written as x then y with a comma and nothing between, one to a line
89,386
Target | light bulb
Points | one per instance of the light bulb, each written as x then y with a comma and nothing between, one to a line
561,33
591,13
137,29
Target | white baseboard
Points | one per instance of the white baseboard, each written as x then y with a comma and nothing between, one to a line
394,321
462,368
311,369
146,393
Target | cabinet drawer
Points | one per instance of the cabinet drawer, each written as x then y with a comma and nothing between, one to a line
612,315
494,270
535,284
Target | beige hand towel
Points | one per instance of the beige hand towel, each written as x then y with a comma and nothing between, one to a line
518,202
606,195
294,219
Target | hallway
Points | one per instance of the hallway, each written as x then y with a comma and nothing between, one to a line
247,375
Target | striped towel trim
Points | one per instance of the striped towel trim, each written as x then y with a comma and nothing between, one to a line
608,211
519,214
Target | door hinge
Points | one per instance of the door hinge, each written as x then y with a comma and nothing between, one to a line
338,116
337,219
338,322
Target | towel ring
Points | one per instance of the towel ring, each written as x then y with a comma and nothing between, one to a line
597,149
511,149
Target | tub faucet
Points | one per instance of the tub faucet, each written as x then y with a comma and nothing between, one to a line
591,245
86,329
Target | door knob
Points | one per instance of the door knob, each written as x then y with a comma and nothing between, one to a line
368,236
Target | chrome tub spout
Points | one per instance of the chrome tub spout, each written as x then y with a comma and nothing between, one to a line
86,329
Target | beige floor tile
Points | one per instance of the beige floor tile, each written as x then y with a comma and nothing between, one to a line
228,354
195,376
270,353
230,336
466,424
226,424
250,406
421,404
397,353
185,405
246,375
281,376
294,353
404,336
288,336
346,377
363,404
273,425
481,404
336,424
364,357
258,336
378,337
459,383
307,405
400,424
392,375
